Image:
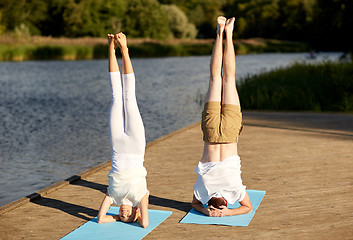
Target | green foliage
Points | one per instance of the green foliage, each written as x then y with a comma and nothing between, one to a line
22,31
28,13
146,19
2,26
333,25
265,45
271,19
305,87
165,50
65,51
203,13
49,52
325,24
75,18
178,22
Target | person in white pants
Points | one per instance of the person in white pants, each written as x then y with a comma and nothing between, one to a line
127,186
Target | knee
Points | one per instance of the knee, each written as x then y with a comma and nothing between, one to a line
228,79
215,78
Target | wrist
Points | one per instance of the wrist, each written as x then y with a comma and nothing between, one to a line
138,215
229,212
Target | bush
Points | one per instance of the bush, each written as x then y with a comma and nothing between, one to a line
305,87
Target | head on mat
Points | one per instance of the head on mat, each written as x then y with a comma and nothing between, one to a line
127,213
217,202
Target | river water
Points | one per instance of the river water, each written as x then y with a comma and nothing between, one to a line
54,114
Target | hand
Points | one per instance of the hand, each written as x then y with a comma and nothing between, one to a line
136,211
214,212
224,211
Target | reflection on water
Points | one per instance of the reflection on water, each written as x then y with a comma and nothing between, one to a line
54,114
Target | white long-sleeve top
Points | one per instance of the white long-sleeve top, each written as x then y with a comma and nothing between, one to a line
127,186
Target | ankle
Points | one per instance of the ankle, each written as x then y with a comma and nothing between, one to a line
124,50
220,34
229,34
111,48
111,52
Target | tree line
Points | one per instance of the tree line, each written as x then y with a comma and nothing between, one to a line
324,24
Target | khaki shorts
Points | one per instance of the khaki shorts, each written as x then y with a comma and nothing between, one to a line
221,123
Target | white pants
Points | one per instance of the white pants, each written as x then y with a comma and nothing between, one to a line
127,133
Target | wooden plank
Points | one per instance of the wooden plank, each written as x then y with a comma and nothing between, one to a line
307,173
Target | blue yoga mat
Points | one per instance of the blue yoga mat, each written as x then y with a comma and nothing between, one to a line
117,230
238,220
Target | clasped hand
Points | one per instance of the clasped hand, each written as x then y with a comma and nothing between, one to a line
216,212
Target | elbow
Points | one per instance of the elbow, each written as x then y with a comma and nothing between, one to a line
249,209
144,225
99,219
196,205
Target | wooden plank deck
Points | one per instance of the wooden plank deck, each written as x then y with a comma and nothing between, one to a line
304,161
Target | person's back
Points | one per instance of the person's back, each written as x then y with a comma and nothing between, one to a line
214,152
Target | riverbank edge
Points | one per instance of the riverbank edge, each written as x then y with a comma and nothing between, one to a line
41,48
315,87
56,186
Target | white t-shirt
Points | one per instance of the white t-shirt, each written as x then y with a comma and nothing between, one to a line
127,186
219,179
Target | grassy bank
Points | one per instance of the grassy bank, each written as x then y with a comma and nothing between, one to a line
306,87
46,48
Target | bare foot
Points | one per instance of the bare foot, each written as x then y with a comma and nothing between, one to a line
229,26
221,21
111,43
120,39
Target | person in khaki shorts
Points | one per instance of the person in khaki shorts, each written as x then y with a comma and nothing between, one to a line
218,173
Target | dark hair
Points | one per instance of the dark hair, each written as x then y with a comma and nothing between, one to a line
217,202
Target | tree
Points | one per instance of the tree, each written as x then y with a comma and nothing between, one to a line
178,22
295,18
333,25
113,13
280,19
145,19
201,13
75,18
2,26
25,13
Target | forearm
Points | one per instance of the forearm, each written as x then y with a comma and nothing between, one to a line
200,208
108,218
143,214
245,207
238,211
102,216
143,221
